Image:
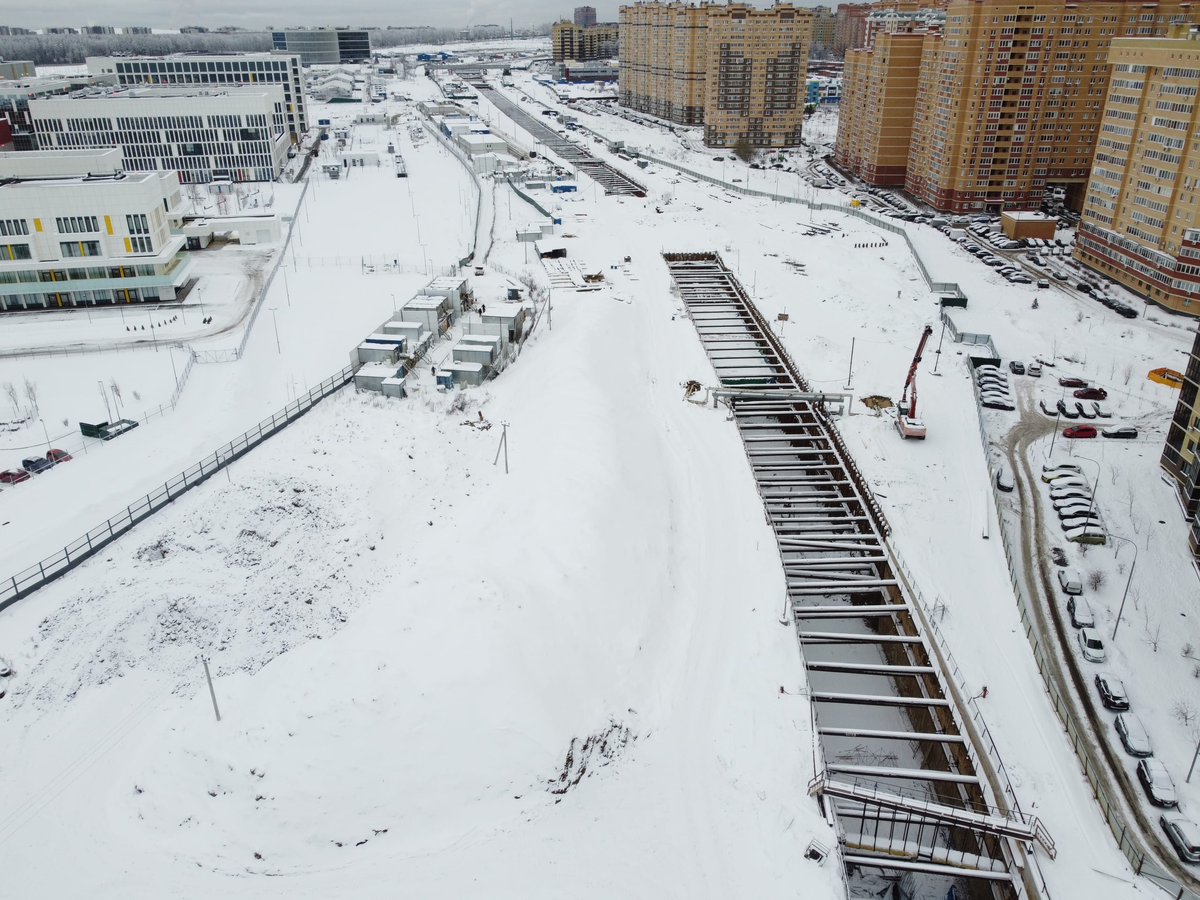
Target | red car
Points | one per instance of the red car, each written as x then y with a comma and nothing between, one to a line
1079,431
1091,394
13,476
57,456
1073,382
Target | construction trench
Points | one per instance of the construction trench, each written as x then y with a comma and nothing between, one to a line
897,773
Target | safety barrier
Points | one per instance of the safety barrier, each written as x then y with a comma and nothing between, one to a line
40,574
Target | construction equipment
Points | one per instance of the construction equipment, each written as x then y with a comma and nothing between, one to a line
907,422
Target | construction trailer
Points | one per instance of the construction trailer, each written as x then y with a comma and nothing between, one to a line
491,341
454,288
432,312
506,320
465,351
394,387
386,354
371,377
464,374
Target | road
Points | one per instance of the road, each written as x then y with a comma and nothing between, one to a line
1058,634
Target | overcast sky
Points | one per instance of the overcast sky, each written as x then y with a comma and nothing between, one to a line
257,13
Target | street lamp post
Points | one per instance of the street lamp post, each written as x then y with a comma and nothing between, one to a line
1128,582
278,349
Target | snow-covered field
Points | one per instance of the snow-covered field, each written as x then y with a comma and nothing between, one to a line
438,679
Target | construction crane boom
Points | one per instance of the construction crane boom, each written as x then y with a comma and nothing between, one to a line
907,422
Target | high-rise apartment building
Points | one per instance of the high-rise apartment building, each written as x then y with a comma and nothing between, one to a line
850,26
324,46
1141,221
1011,99
664,56
1181,455
824,27
882,90
585,16
738,70
569,41
277,67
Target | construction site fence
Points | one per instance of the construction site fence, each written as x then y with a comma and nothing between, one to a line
465,162
527,198
946,287
369,264
1139,858
82,548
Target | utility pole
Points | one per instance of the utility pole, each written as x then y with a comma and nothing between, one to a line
278,349
287,289
1129,581
850,372
938,355
503,446
211,692
152,338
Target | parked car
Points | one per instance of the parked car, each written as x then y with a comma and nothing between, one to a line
1183,835
1102,411
1043,283
13,476
1070,493
1071,509
1092,645
1050,468
1065,411
1070,382
1047,410
1076,523
1112,692
57,456
1083,286
1016,367
1133,735
1126,432
35,465
1021,278
1004,480
1070,582
1091,393
997,403
1079,431
1081,612
1089,535
1085,411
1157,783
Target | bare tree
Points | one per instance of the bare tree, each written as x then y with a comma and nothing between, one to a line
116,392
1151,630
1096,579
1184,712
31,394
10,391
1127,372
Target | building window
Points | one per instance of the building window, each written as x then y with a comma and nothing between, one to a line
15,251
13,227
80,248
141,244
137,224
76,224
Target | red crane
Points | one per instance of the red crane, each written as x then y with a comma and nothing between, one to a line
907,422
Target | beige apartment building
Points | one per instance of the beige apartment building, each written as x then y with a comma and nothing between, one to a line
584,43
1141,221
880,84
1010,99
850,26
738,70
824,27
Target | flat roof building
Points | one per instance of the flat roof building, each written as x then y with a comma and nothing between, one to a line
16,95
585,16
81,239
12,69
235,133
277,67
569,40
324,46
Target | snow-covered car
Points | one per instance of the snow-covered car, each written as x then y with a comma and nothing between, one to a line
1102,412
13,476
1052,413
1092,393
1085,411
1071,493
1021,278
1112,692
1068,479
1071,382
1081,612
1070,582
1089,535
1059,467
1091,645
1004,480
1071,509
1065,411
1127,432
1156,782
1074,523
1043,283
993,390
997,402
1184,836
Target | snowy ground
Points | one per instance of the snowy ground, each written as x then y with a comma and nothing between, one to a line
404,638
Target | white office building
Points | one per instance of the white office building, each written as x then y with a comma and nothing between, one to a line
277,67
78,231
234,133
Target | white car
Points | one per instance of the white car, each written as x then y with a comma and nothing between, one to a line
1092,645
1068,493
1060,467
1058,482
1133,735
